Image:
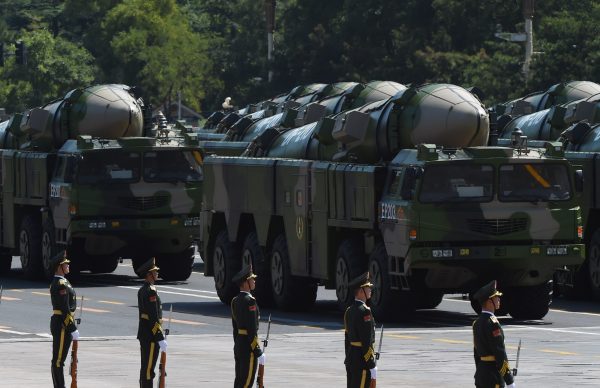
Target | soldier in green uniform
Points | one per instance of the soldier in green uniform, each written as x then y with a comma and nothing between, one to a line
491,363
244,319
360,335
62,322
150,332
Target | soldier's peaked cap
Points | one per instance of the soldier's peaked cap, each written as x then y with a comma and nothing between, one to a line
58,259
244,274
361,281
486,292
148,266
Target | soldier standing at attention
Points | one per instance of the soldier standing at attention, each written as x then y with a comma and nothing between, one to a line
62,322
150,332
244,319
360,335
491,363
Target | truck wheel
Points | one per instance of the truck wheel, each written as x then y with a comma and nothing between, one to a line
349,264
30,248
593,267
5,263
530,302
387,304
176,267
103,264
226,264
428,299
252,253
49,248
289,293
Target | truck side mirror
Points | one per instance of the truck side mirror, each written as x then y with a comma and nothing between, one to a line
579,181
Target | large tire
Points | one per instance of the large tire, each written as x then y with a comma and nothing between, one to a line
253,253
176,267
428,299
226,263
5,263
593,266
530,302
289,292
103,264
349,264
49,247
387,304
30,248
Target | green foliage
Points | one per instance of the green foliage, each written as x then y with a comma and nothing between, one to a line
54,66
210,49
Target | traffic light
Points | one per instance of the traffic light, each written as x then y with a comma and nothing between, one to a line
20,53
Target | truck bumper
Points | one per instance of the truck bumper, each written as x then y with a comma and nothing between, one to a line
130,236
460,268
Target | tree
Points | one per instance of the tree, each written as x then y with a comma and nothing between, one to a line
152,46
54,66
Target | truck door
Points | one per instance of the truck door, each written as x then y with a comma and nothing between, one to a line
61,205
394,210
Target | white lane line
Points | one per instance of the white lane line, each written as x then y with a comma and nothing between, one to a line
13,332
552,309
568,331
186,289
175,293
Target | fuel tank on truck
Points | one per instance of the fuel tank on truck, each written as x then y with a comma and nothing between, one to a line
103,111
443,114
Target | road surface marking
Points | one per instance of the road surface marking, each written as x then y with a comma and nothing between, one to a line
184,322
403,336
13,332
450,341
92,310
40,293
175,293
186,289
110,302
4,297
559,352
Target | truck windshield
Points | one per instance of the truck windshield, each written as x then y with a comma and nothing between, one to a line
172,166
457,183
534,182
109,166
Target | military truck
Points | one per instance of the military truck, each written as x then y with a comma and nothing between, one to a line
575,126
319,204
78,175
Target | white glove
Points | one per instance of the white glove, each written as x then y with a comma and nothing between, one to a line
262,359
511,386
373,373
75,335
162,345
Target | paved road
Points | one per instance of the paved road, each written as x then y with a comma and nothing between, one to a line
433,348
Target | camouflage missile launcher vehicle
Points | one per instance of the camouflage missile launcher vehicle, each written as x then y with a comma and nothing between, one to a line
575,126
317,205
77,175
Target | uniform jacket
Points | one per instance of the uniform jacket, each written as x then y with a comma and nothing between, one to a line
360,333
150,314
64,302
244,319
488,340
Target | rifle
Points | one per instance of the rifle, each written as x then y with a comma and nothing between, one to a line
377,354
261,368
74,348
515,369
163,355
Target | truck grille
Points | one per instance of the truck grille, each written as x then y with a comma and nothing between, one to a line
144,203
497,226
